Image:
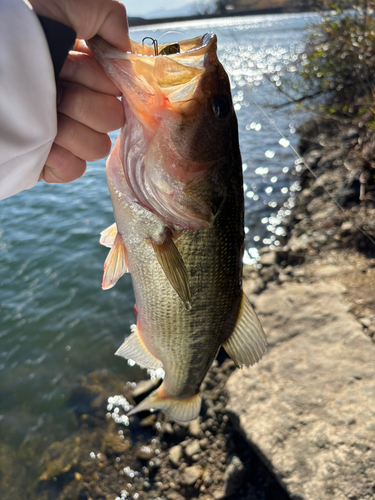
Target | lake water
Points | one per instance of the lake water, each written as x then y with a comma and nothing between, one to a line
55,321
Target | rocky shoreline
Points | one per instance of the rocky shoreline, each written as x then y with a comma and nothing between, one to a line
300,423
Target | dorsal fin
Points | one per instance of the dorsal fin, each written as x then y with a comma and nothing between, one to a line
116,263
174,267
248,342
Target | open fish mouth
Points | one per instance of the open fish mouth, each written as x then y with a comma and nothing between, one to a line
177,49
166,71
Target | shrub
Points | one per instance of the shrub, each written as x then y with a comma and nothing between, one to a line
337,67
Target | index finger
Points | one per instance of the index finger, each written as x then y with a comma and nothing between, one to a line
115,28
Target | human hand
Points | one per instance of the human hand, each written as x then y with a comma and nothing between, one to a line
87,102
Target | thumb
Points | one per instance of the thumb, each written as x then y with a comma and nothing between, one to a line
106,18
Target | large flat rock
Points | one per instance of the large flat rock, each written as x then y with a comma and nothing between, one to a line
309,406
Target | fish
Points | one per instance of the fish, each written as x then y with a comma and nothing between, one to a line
175,180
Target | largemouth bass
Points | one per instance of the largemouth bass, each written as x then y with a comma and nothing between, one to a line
175,179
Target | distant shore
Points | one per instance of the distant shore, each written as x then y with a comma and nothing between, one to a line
140,21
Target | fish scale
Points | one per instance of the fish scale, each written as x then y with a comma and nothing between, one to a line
211,259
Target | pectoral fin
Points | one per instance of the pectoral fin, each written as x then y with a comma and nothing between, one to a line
135,349
107,237
174,267
247,343
116,263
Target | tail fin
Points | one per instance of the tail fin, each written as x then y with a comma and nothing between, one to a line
181,410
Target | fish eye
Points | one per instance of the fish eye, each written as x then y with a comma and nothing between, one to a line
221,106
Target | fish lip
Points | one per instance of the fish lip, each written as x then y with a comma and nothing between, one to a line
100,46
206,40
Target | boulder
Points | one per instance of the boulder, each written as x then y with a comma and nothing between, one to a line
308,407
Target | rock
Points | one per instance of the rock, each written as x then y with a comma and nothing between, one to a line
252,286
206,478
148,421
329,157
112,443
233,476
167,428
350,134
268,259
218,495
193,448
249,271
191,474
204,443
298,272
268,273
264,250
366,322
327,271
282,277
195,428
312,158
347,226
58,458
308,406
173,495
299,245
175,454
325,214
145,453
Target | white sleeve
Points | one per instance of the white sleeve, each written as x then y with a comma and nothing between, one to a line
28,116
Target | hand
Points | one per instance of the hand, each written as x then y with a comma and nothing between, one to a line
87,102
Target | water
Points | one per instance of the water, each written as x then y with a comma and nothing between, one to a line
55,321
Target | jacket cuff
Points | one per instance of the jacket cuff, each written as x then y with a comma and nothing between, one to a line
60,39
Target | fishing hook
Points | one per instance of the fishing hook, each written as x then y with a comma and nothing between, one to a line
154,43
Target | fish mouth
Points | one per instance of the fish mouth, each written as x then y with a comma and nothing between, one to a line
177,50
192,46
152,82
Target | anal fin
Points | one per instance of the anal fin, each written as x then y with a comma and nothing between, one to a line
135,349
174,267
180,410
107,237
116,263
248,342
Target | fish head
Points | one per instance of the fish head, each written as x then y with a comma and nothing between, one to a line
180,120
